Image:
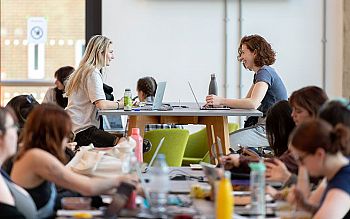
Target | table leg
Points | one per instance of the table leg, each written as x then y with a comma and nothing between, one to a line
140,122
220,124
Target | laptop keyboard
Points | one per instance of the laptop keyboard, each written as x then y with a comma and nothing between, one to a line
164,107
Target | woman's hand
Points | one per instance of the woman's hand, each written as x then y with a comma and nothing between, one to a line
230,161
213,100
71,145
130,178
277,171
297,198
249,153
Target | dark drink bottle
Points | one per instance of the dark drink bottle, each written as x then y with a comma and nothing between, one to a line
213,86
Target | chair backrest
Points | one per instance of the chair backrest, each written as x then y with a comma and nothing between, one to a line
173,147
197,145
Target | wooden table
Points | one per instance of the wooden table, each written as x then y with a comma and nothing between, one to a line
191,115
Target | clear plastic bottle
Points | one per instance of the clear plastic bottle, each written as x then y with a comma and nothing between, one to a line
224,198
135,134
159,185
127,100
257,188
213,86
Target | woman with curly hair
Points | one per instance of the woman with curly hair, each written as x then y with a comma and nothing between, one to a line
267,89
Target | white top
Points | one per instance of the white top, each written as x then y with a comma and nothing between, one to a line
50,96
81,107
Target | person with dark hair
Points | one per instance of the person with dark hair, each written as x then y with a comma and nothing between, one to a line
319,146
306,102
267,88
146,89
22,105
39,163
279,124
56,95
15,202
336,112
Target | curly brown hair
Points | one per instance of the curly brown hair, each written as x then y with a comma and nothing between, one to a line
264,52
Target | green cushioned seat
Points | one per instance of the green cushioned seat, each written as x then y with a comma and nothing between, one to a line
197,145
173,146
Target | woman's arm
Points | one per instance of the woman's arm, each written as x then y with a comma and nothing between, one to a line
258,92
335,205
316,195
47,167
250,91
107,104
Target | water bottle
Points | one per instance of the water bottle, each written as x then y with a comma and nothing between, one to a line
159,186
224,198
257,188
135,134
127,100
213,86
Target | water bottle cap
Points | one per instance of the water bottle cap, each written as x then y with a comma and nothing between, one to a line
259,166
161,156
227,175
135,131
127,89
213,75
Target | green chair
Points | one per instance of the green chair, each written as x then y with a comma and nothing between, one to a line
173,146
197,145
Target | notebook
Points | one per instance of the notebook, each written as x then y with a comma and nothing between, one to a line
207,107
146,168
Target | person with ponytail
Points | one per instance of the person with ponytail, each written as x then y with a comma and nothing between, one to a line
320,148
85,93
56,95
146,89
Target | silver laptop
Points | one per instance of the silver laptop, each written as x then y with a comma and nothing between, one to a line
146,168
158,99
207,107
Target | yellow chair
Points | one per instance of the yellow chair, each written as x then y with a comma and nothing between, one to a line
197,145
173,146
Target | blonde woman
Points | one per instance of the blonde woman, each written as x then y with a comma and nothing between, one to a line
85,94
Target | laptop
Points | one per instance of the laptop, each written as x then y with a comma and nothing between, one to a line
207,107
146,168
158,99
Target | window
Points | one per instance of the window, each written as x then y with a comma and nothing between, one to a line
27,67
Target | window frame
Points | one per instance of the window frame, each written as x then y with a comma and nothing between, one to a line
93,26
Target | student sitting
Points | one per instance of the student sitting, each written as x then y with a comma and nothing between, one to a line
15,202
305,104
146,89
279,124
267,89
56,95
85,93
319,147
39,163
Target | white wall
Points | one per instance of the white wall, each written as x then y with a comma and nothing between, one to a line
181,40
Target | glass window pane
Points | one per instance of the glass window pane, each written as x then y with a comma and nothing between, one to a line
21,59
